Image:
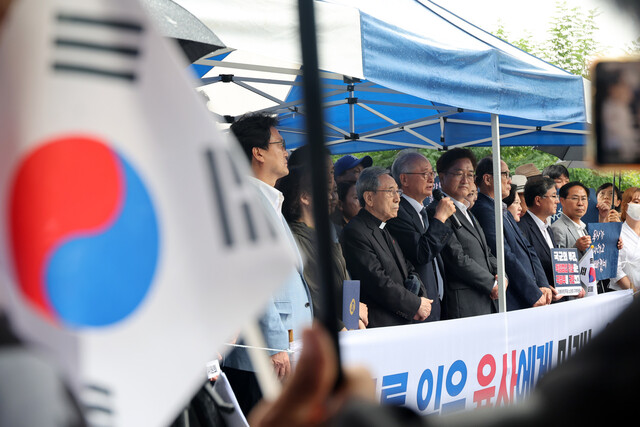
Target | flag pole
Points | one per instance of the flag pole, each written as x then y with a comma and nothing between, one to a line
319,181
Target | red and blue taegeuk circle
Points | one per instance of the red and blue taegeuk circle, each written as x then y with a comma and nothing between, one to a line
84,232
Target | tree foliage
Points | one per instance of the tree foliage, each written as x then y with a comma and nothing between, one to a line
570,46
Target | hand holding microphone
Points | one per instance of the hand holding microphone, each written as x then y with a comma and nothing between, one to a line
445,209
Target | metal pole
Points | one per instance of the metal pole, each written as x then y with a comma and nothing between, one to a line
315,139
497,191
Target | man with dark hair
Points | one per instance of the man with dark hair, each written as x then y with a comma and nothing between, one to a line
569,230
389,286
421,240
290,308
558,173
529,286
255,130
542,197
471,288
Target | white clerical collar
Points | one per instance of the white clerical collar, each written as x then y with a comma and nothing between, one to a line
382,224
273,195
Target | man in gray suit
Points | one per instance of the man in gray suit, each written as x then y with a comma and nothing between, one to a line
569,230
471,287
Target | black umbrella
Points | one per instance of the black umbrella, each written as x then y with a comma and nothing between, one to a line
563,152
175,22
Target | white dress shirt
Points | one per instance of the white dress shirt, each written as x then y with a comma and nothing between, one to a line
544,228
629,257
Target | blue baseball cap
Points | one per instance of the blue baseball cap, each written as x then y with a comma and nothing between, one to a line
349,161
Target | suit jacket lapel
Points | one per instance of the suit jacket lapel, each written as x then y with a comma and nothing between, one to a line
553,236
538,234
571,226
470,228
415,217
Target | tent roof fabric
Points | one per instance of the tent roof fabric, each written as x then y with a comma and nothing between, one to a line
420,76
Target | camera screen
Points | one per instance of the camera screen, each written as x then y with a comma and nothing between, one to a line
617,112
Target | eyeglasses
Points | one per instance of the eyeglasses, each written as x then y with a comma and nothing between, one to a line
282,143
391,192
578,199
425,175
506,175
459,174
553,196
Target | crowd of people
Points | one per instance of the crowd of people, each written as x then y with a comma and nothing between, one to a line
421,254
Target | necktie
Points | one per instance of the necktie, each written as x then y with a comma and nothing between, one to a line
439,281
425,219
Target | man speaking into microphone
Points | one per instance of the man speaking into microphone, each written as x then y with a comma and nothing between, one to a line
471,269
419,239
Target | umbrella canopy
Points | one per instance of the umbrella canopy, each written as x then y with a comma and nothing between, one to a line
570,152
195,39
411,75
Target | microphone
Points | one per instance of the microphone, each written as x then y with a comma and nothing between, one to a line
437,196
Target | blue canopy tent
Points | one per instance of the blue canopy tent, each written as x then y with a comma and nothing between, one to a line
425,78
396,75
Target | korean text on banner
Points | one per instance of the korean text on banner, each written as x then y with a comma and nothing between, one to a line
604,237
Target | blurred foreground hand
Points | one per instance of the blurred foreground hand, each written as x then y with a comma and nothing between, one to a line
308,398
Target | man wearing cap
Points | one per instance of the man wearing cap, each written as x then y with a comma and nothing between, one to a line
348,168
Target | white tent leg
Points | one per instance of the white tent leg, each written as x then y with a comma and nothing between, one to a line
497,191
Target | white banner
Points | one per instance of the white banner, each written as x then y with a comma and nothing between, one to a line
491,360
131,244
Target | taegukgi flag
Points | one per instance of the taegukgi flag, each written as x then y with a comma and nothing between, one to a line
131,243
588,272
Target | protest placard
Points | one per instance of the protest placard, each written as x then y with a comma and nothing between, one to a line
351,304
566,271
604,238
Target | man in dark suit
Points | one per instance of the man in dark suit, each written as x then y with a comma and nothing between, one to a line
471,287
420,240
541,196
528,284
388,284
542,199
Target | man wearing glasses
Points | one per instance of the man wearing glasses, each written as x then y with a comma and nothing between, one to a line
290,308
421,240
569,230
471,287
541,196
388,284
529,286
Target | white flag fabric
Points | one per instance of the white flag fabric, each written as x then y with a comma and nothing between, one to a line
132,245
588,272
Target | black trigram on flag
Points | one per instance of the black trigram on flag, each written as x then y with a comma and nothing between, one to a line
96,46
97,405
234,210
